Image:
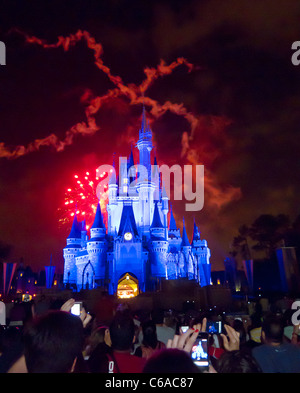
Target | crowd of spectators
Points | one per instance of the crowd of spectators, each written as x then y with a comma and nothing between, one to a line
40,339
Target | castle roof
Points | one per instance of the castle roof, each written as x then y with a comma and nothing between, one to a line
156,222
130,159
127,223
172,224
98,221
196,233
185,239
75,232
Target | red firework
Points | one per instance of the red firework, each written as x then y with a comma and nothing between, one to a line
81,198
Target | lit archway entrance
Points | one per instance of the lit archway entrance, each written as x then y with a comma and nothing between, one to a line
127,286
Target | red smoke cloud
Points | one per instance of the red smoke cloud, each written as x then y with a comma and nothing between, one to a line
136,95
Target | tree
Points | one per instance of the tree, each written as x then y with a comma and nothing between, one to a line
241,244
292,236
269,231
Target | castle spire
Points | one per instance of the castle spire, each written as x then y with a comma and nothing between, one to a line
98,221
130,167
144,143
144,120
172,225
75,232
156,222
128,223
130,160
112,178
196,233
185,239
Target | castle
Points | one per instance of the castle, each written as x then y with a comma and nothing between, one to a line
138,247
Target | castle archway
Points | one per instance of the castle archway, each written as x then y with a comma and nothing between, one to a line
128,286
88,276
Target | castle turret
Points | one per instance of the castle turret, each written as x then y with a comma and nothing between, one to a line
112,204
144,143
84,236
202,255
97,246
174,236
196,234
98,228
131,171
70,252
112,185
158,246
188,268
145,187
165,208
155,178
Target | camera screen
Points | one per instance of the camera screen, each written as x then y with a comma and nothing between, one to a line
199,352
184,328
214,327
75,310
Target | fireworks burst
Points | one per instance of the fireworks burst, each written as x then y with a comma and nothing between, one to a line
81,198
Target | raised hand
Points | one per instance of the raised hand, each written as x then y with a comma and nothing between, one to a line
232,342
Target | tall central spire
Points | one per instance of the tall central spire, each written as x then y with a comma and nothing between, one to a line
144,143
145,132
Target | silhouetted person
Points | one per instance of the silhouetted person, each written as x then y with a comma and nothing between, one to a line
170,361
150,343
53,342
122,334
164,333
11,347
100,347
274,356
237,362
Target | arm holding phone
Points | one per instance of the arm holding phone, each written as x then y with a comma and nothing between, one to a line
232,343
185,341
83,315
188,341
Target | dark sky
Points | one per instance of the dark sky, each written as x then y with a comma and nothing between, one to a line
236,110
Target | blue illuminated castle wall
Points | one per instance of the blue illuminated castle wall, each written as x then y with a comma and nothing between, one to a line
138,240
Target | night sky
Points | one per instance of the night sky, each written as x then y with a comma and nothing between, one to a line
66,105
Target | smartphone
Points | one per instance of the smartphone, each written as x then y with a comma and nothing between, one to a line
214,327
76,308
199,353
184,328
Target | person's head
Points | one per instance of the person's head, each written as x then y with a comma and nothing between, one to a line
123,308
272,330
52,342
237,362
99,335
170,360
149,334
239,327
122,331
